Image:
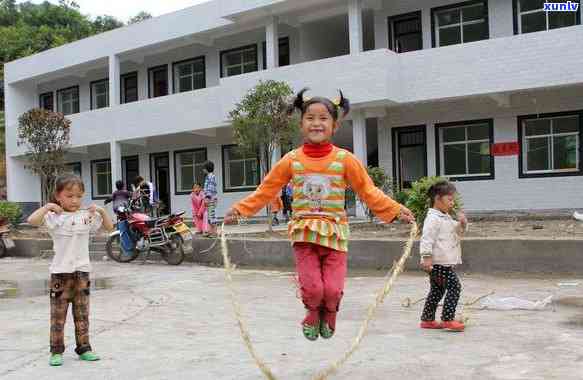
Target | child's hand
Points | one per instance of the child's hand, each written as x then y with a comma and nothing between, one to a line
461,217
427,264
54,208
95,209
232,216
406,215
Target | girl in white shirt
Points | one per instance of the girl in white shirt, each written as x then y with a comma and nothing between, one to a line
70,226
440,249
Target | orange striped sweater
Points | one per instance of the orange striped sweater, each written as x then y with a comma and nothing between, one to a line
319,186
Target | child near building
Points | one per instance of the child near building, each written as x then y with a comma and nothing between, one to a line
441,251
199,210
210,195
320,173
120,197
70,226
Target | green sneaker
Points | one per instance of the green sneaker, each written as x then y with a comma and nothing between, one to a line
311,332
325,331
56,360
89,356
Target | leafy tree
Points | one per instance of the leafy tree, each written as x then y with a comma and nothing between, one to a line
261,122
106,23
418,200
140,17
46,135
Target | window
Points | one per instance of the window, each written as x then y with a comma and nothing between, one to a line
74,168
461,23
464,149
240,169
239,61
188,167
550,144
99,94
68,100
529,16
46,101
158,81
405,33
189,75
284,55
129,87
131,169
101,178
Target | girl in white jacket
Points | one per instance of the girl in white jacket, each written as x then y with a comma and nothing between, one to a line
441,251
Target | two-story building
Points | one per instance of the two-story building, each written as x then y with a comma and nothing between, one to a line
486,92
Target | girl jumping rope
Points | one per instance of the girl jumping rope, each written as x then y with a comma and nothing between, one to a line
320,173
70,226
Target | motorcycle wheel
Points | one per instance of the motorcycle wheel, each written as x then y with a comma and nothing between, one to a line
116,253
173,254
3,249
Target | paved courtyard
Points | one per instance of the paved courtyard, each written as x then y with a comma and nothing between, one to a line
154,321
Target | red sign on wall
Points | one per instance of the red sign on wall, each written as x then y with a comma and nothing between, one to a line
505,149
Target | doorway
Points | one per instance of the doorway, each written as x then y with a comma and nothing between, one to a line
160,174
409,155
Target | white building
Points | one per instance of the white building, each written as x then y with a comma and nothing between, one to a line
510,73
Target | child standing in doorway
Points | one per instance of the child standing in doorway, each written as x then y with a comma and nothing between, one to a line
320,173
441,251
70,226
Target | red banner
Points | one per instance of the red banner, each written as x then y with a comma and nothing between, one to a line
505,149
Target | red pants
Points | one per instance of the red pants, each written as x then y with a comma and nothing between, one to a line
321,272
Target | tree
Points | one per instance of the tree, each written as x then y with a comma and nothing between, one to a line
140,17
46,135
383,182
106,23
261,122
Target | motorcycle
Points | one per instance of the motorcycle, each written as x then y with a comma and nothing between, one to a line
138,233
6,243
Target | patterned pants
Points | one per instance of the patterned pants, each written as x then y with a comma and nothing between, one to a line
212,212
442,279
70,288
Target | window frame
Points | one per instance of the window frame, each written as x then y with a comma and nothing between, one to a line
60,91
464,4
280,41
150,83
241,48
195,59
76,164
224,174
123,90
124,177
91,93
517,25
439,161
400,17
94,184
522,155
40,100
178,191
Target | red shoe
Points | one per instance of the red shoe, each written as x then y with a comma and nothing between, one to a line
453,326
430,325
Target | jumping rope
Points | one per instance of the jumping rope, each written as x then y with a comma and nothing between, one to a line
334,366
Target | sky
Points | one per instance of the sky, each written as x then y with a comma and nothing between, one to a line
126,9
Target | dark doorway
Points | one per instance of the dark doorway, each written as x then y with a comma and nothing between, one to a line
405,33
409,155
160,174
131,169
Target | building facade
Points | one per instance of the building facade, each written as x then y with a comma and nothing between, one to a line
487,93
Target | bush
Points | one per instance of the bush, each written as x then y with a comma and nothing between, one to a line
418,200
402,196
10,211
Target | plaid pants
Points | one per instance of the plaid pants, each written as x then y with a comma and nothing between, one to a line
69,288
442,279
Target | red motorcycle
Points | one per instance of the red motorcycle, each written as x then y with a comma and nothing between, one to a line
137,233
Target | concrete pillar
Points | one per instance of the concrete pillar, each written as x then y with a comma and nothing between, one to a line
171,88
116,170
114,81
272,43
355,26
359,146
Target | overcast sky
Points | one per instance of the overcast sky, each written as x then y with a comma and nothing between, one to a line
125,9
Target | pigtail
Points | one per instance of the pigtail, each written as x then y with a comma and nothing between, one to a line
343,103
298,102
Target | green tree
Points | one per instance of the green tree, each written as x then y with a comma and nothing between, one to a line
262,123
418,200
46,135
106,23
140,17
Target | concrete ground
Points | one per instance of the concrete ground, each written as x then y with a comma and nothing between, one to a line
156,321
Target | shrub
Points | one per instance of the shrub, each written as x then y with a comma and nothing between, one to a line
418,200
10,211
